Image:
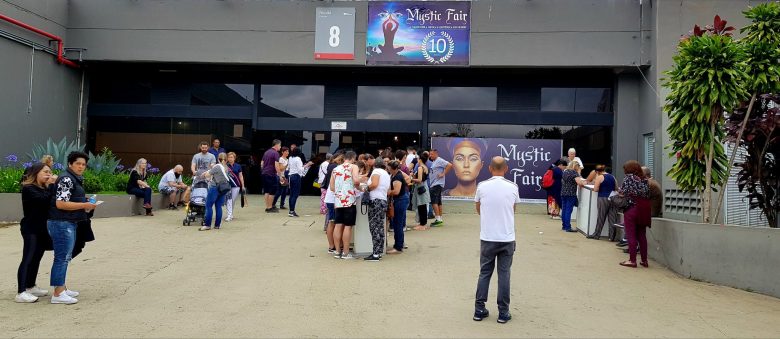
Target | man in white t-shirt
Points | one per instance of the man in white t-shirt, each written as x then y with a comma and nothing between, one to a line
495,200
172,185
411,154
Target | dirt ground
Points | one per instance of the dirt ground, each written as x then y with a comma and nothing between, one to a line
269,276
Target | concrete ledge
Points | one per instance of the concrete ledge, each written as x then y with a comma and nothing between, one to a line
741,257
114,206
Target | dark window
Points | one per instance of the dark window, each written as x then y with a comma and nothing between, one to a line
222,94
292,101
576,99
558,99
593,100
120,92
385,102
463,98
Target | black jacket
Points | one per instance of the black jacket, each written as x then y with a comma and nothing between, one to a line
68,188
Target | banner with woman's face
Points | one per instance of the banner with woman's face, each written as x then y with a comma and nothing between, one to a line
528,160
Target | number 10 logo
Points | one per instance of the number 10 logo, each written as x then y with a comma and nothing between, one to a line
437,47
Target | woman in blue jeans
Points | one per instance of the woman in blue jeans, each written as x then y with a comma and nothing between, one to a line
70,207
215,199
570,180
400,192
138,186
297,171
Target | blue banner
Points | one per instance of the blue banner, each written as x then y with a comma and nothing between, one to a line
418,33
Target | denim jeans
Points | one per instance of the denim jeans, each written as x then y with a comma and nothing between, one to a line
63,237
214,200
399,220
281,191
566,210
145,193
295,190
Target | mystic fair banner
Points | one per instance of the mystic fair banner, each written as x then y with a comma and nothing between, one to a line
418,33
470,157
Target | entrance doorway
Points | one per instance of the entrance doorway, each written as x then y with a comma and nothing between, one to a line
315,144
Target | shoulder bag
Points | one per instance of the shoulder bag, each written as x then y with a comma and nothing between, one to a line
223,187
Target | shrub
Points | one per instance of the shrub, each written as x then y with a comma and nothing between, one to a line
10,179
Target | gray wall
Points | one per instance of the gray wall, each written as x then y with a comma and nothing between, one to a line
54,106
507,32
625,144
740,257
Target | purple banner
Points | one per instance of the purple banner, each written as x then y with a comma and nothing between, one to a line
418,33
470,157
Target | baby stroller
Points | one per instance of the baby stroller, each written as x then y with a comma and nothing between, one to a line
196,207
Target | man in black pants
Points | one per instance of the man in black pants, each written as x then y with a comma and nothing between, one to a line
495,200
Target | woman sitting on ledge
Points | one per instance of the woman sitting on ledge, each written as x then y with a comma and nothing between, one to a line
138,187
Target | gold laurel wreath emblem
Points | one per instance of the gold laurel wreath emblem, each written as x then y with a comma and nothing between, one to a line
444,58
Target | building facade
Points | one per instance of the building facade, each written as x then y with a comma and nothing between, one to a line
156,77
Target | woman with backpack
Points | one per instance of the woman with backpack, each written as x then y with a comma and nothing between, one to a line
552,183
219,188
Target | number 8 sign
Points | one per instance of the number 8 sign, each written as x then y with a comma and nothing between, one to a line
334,37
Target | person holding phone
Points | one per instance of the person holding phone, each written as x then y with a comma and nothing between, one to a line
70,206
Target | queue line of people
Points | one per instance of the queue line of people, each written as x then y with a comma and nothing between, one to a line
638,197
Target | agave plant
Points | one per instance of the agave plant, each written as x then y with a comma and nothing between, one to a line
58,150
105,162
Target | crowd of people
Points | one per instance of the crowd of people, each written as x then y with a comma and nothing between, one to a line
384,186
388,185
638,197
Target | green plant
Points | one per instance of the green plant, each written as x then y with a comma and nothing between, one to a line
10,179
761,44
105,162
760,171
58,150
706,79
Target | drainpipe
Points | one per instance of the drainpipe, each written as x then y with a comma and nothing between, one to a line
81,107
60,44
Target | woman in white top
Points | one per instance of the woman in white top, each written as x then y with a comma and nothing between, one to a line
297,172
284,182
378,185
321,180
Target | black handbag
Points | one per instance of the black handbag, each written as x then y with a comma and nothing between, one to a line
421,189
223,187
619,202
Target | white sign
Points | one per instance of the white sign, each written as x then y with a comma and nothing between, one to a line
338,125
334,37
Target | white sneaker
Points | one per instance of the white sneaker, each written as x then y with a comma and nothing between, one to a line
37,291
25,297
72,294
229,219
204,228
348,256
64,298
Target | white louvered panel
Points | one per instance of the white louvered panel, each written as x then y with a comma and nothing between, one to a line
736,206
649,159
